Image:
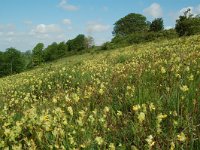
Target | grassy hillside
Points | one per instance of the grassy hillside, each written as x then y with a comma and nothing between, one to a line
141,97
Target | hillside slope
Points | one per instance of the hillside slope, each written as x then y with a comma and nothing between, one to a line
141,97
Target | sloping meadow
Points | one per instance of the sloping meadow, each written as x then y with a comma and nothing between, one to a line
141,97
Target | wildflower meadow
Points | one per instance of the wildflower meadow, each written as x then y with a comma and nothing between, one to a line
141,97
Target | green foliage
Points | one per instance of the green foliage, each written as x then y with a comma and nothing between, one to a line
38,56
13,61
79,43
132,23
157,25
61,50
188,24
107,46
137,38
50,53
27,58
1,63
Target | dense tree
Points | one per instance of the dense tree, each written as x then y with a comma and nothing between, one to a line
14,61
69,44
78,43
61,50
38,56
132,23
157,25
188,24
50,52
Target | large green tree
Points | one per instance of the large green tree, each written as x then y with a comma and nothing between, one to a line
50,53
157,25
55,51
78,43
14,61
38,56
61,50
188,24
132,23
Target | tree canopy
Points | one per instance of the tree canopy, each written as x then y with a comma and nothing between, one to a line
132,23
78,43
13,61
157,25
37,57
188,24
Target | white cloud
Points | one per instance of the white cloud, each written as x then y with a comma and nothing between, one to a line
43,29
10,33
194,10
67,21
197,9
69,28
9,39
154,10
28,22
10,36
7,27
97,27
66,6
175,15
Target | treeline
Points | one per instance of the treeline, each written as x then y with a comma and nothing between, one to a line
13,61
131,29
135,28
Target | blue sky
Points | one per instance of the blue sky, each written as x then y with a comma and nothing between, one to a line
24,23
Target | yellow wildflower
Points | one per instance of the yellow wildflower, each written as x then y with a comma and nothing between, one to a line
111,146
99,140
172,146
70,110
54,100
134,148
136,107
191,77
119,113
152,107
101,91
184,88
141,117
163,70
160,117
106,110
150,141
181,137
